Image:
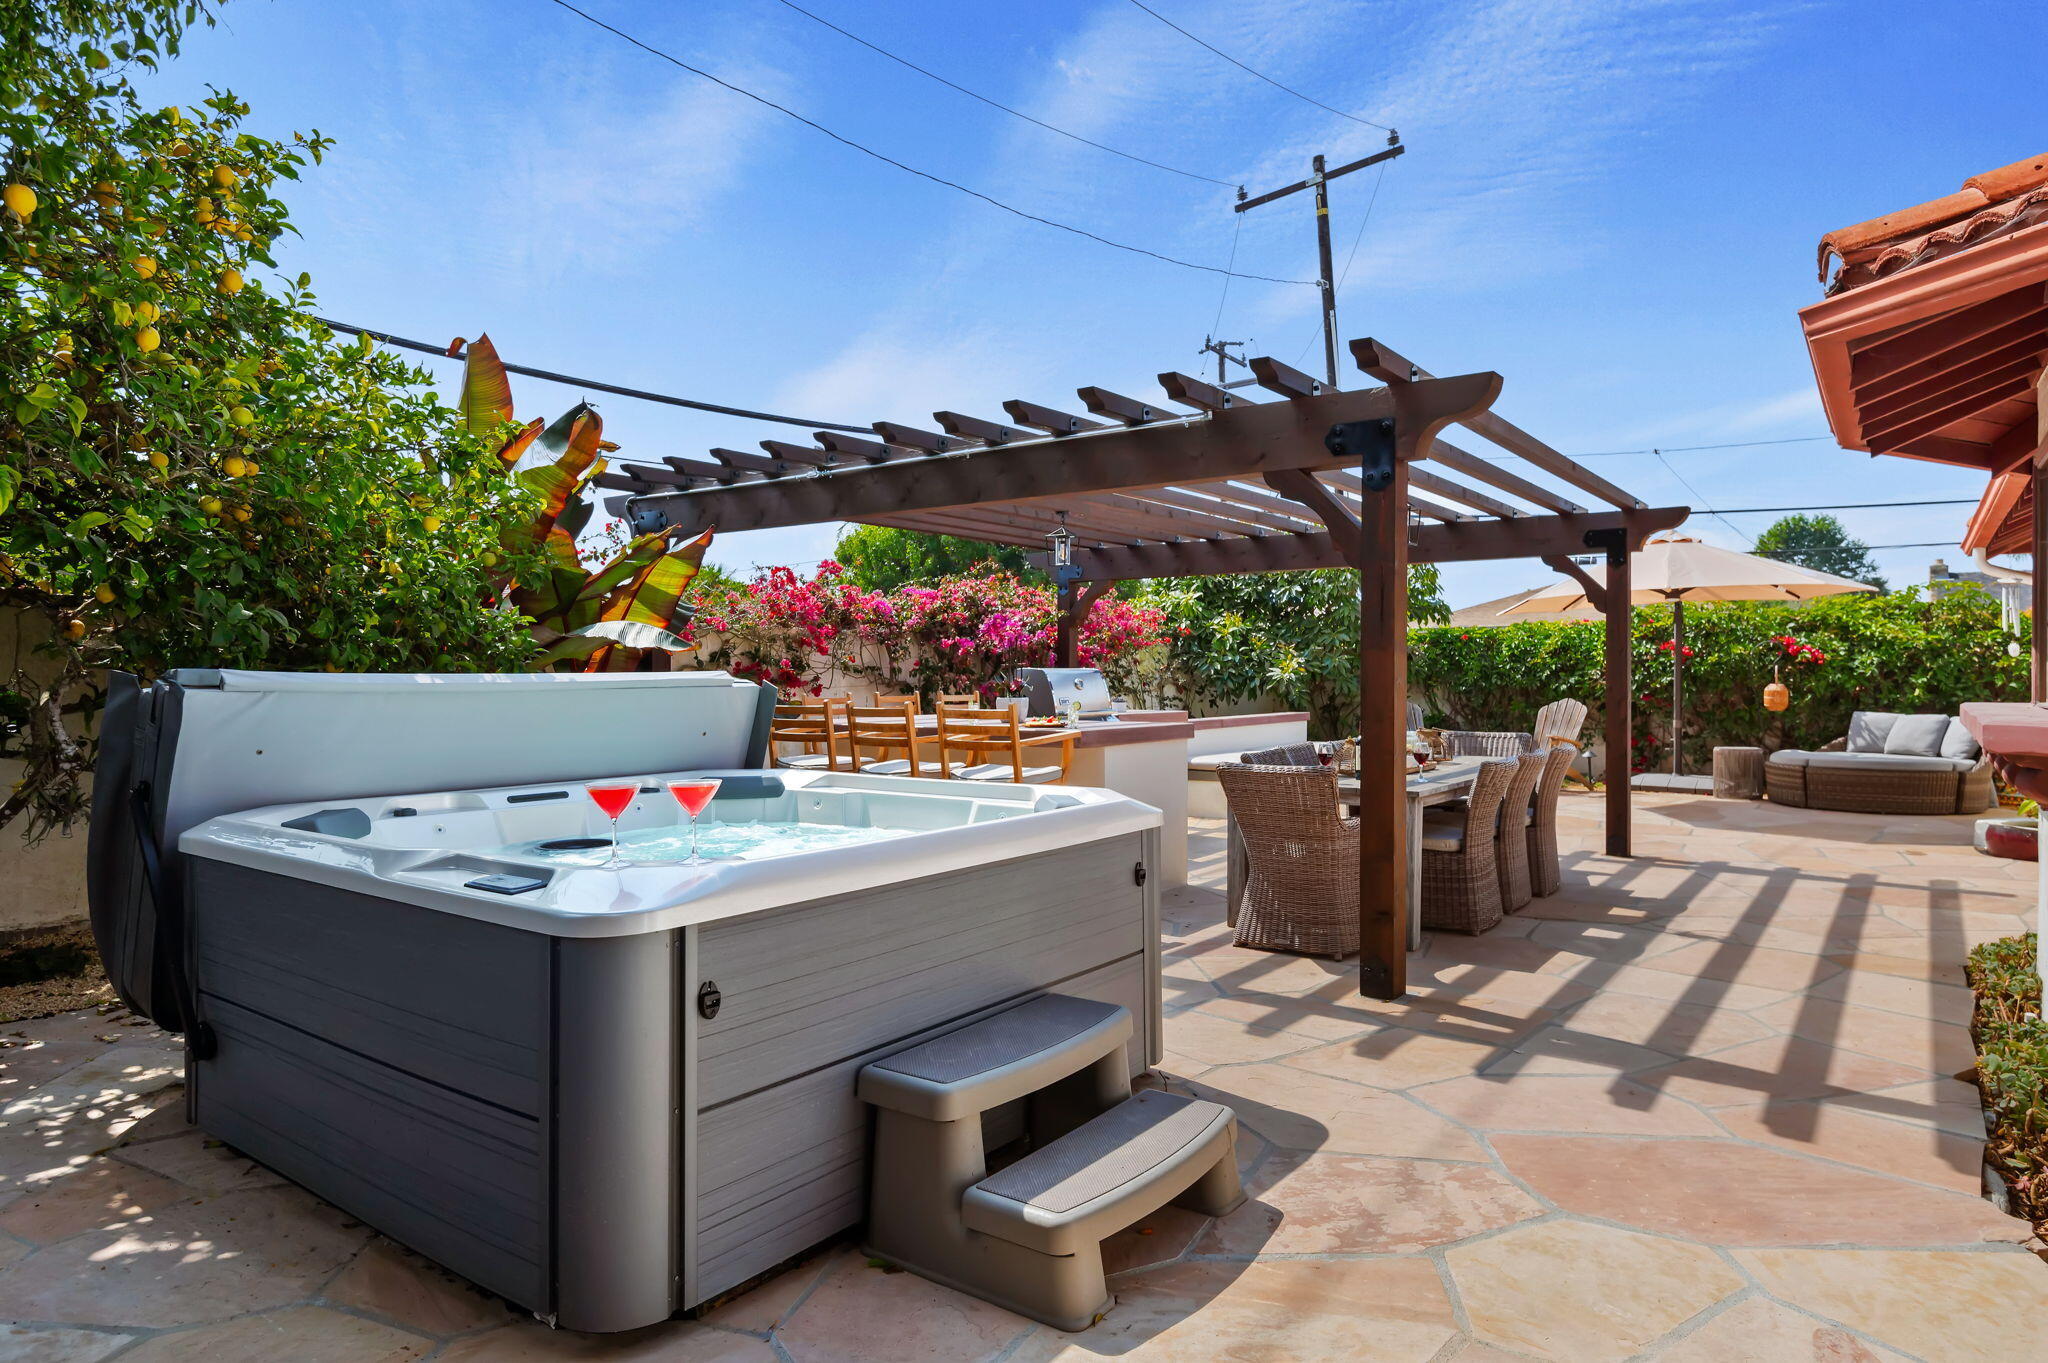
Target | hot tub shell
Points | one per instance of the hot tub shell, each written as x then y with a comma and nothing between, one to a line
621,1095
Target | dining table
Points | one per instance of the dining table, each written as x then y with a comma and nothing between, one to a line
1447,780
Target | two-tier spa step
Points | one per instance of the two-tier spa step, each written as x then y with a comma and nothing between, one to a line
1029,1236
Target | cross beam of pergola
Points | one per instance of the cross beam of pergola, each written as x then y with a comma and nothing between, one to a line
1316,478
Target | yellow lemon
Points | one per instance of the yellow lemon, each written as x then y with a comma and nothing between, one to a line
202,212
432,523
210,505
225,176
105,594
250,464
233,467
147,313
144,266
241,416
159,460
488,559
230,281
74,629
107,193
179,148
241,513
20,200
241,232
147,340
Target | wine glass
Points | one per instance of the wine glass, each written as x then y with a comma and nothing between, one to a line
694,794
612,797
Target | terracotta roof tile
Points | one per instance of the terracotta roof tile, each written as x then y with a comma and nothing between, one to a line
1990,204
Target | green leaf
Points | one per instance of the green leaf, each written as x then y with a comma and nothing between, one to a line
10,485
486,390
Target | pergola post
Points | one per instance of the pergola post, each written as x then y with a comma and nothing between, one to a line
1072,604
1382,749
1620,694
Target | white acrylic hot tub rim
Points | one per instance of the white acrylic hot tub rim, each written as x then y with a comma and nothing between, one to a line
594,902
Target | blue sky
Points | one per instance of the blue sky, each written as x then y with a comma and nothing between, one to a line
1613,203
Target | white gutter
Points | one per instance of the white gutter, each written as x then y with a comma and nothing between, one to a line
1982,558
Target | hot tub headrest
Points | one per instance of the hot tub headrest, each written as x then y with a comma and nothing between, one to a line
741,784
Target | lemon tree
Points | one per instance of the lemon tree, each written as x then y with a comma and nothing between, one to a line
192,471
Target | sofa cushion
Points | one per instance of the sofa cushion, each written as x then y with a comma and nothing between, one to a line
1956,742
1868,730
1883,761
1789,757
1917,735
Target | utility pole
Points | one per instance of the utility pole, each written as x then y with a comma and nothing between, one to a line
1221,350
1319,180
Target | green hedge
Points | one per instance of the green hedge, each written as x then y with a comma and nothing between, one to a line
1887,651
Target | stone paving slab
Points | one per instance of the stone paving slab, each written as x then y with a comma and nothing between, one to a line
1696,1108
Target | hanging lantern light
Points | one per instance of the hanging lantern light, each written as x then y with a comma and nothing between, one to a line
1062,541
1777,695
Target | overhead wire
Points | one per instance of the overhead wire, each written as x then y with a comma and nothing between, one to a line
998,104
909,169
1260,74
447,352
1695,494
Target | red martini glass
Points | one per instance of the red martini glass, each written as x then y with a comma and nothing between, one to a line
694,795
612,797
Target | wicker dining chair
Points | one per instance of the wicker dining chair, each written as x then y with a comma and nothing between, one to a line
1489,742
1545,876
1515,892
1287,755
1461,857
1301,893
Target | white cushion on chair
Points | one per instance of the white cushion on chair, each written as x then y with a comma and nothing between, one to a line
806,761
899,766
1005,773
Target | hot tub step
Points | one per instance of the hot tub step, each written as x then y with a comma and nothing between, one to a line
1017,1052
1029,1237
1099,1178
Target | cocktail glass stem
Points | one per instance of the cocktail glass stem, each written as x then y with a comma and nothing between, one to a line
612,862
694,858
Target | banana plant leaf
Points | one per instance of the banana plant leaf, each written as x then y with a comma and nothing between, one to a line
626,636
512,450
486,391
654,596
572,596
572,459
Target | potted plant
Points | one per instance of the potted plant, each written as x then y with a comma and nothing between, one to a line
2016,835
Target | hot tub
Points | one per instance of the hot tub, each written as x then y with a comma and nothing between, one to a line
619,1093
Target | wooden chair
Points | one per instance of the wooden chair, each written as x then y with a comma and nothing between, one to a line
817,725
1563,721
909,698
968,701
1461,855
1545,876
992,744
888,730
1301,884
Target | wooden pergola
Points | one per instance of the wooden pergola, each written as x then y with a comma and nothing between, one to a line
1315,478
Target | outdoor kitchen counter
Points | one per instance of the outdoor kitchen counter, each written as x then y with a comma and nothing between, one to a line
2015,733
1147,761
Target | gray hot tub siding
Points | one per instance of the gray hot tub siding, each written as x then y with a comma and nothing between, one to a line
551,1118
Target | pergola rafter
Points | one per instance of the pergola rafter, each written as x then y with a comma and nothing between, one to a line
1313,478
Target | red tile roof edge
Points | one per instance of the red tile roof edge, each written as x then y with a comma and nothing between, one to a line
1994,201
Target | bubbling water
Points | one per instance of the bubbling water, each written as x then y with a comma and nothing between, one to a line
716,841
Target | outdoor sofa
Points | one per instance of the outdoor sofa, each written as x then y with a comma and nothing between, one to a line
1887,764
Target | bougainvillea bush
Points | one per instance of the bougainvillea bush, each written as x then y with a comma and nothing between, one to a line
1897,651
959,634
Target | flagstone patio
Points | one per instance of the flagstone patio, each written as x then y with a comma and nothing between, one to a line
1698,1107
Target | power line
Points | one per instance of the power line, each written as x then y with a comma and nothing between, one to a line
1835,506
1688,449
910,169
996,104
1836,549
429,348
1695,494
1260,74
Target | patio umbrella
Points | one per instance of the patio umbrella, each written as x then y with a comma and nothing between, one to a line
1678,569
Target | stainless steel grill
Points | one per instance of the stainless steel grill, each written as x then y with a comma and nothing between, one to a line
1051,688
